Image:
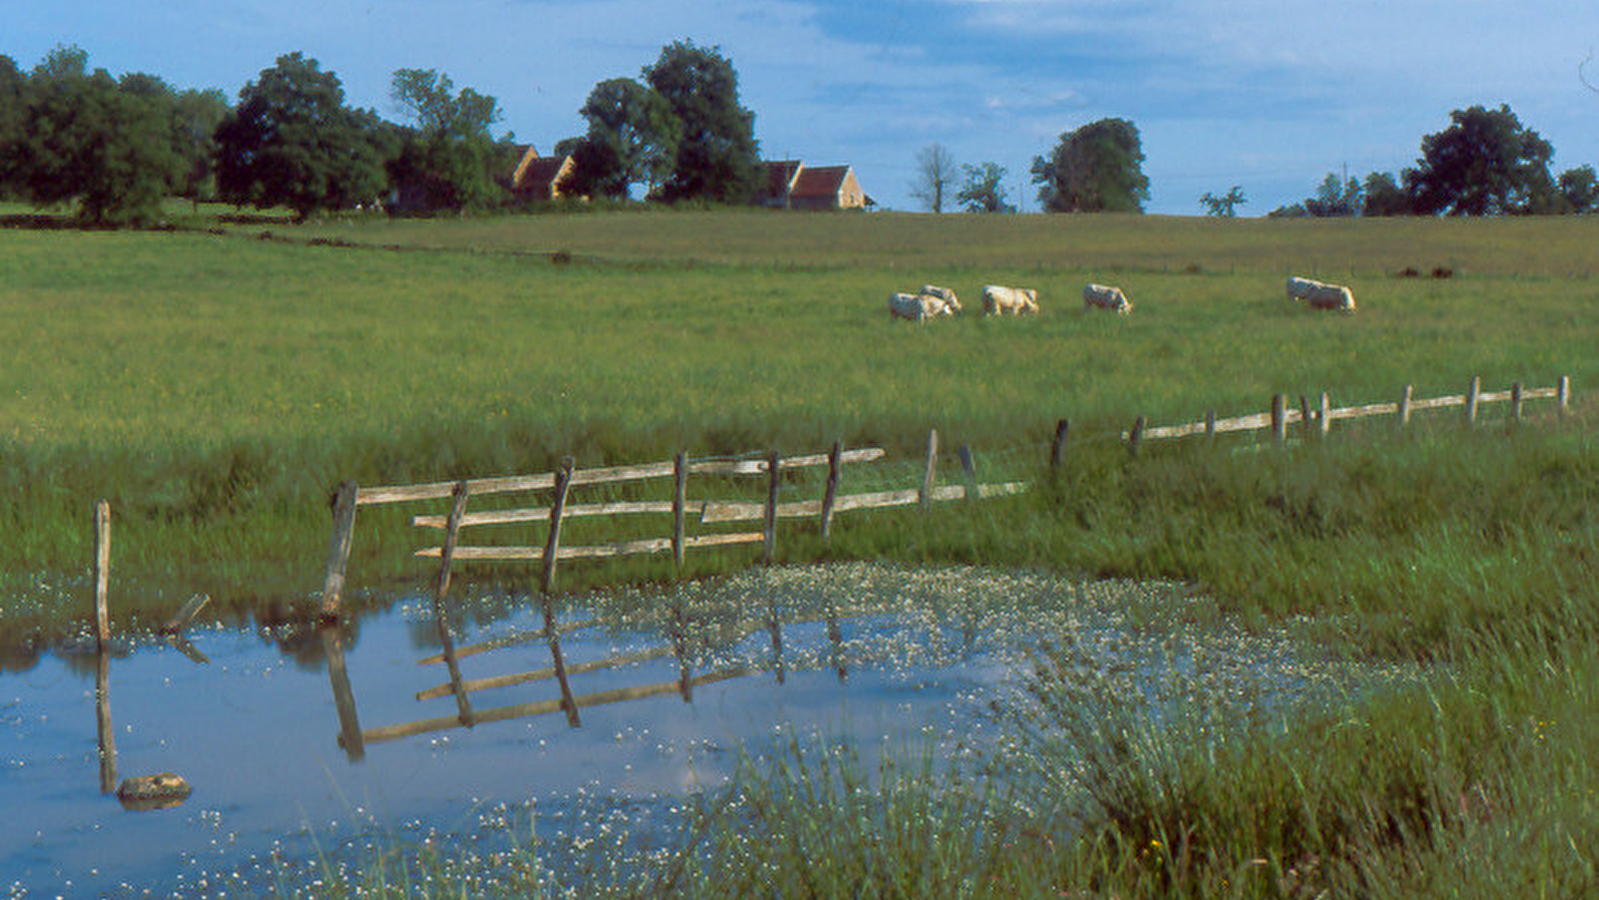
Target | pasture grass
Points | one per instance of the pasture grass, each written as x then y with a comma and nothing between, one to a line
216,386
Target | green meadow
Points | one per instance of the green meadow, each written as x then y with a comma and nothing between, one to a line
216,381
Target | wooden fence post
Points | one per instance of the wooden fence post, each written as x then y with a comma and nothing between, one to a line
105,731
1210,426
350,736
338,549
830,494
552,541
1563,393
102,572
1515,402
969,470
926,496
1404,406
1135,437
769,554
1305,423
1057,446
442,589
1473,397
679,501
1279,419
1323,417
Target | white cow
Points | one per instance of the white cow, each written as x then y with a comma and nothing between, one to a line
999,300
1106,297
916,307
944,294
1321,296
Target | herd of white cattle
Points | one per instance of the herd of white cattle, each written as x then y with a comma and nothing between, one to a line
933,301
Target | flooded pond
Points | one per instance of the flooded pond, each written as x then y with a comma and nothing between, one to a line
298,742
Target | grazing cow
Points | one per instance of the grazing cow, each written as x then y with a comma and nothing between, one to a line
916,307
1321,296
944,294
998,300
1106,297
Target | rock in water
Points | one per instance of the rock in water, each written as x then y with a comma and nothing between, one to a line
144,792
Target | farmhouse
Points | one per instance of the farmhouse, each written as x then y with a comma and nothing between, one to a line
790,184
540,177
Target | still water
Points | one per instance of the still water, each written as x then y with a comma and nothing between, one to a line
299,742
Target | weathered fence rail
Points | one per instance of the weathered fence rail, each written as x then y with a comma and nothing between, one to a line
707,511
1280,414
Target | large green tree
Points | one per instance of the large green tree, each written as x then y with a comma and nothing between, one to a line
1096,168
450,157
717,157
633,136
13,107
1485,163
85,138
292,141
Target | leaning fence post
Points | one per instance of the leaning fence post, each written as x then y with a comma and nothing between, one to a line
552,541
338,549
679,501
1563,393
969,470
926,497
835,462
1057,446
1473,397
458,498
1515,402
1279,419
770,552
102,571
1404,406
1136,436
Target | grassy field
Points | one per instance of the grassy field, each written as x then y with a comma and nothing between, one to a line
216,381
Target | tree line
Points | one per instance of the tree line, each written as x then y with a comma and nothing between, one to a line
116,148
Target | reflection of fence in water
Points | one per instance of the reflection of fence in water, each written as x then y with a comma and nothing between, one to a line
353,738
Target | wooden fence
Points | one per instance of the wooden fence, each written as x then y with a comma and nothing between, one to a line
680,508
1317,420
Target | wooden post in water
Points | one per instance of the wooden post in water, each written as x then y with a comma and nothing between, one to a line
931,472
1473,397
1515,402
441,589
830,496
1404,406
769,551
102,720
969,470
552,540
1279,419
102,572
568,702
350,736
679,501
338,549
1563,394
1135,437
1057,446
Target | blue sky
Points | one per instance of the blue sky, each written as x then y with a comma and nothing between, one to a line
1267,94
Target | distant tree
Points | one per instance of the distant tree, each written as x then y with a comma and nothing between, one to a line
1485,163
717,157
196,116
1097,168
1336,198
1384,196
110,147
1225,206
632,138
450,158
13,111
292,141
984,190
936,172
1579,189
